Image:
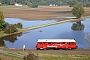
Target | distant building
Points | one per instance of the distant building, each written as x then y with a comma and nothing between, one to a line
50,5
16,4
53,5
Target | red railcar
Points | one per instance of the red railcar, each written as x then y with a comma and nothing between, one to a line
56,44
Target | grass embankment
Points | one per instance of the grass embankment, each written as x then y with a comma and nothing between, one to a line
2,34
7,57
65,57
8,54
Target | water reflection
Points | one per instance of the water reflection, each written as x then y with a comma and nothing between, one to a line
11,39
78,26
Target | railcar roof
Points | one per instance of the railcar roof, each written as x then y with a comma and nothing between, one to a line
56,40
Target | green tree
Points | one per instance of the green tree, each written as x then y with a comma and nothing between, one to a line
78,11
2,22
18,25
34,5
29,4
72,2
12,2
10,29
87,4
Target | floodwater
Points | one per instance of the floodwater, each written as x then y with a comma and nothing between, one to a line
56,32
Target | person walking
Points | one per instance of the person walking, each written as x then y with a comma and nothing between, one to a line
24,47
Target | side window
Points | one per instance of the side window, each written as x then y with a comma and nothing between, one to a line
44,42
49,43
53,42
58,42
63,42
72,43
69,43
39,43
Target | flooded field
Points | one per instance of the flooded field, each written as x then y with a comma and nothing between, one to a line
56,32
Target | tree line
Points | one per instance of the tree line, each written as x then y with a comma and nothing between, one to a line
85,3
6,27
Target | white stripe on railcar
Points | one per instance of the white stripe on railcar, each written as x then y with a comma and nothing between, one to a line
56,40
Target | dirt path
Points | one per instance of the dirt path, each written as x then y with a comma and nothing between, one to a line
57,52
11,53
63,52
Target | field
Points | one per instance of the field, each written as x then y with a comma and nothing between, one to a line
41,13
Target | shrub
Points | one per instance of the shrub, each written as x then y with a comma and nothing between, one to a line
10,29
18,25
31,57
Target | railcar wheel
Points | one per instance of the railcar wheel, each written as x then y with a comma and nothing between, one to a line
38,49
69,48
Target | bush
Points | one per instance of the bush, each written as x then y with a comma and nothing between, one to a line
10,29
31,57
18,25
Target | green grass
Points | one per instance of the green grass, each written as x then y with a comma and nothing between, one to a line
22,53
7,57
1,32
65,57
12,7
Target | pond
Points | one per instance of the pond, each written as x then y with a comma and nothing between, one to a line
56,31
